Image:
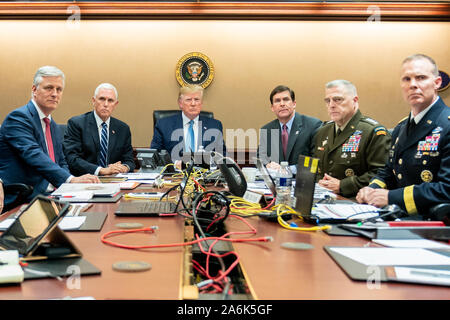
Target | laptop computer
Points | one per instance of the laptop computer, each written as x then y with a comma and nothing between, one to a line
305,183
136,208
268,180
34,233
335,213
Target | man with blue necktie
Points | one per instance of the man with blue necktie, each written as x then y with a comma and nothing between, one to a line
97,143
30,144
188,131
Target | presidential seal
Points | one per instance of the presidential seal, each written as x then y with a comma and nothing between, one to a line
194,68
426,176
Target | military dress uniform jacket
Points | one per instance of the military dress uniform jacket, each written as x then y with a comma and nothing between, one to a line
417,173
355,155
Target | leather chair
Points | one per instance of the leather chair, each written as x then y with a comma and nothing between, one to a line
20,190
440,212
159,114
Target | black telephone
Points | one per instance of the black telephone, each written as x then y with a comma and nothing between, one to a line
152,159
232,174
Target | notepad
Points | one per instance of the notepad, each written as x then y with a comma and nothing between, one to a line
10,271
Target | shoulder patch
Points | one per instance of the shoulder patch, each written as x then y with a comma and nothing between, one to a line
380,131
371,121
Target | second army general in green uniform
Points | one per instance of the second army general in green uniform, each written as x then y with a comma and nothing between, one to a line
351,147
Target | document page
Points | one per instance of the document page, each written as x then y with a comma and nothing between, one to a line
392,256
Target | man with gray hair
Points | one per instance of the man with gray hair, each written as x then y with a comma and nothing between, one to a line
97,143
30,144
351,147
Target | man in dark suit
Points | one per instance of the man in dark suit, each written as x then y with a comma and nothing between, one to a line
30,144
97,143
417,173
288,136
2,195
351,147
188,131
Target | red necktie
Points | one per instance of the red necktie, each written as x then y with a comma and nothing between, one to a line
48,137
284,139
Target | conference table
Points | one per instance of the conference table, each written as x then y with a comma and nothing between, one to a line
271,272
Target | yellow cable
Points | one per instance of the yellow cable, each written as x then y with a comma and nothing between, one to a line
284,209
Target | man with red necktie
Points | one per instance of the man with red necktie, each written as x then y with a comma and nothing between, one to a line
30,144
288,136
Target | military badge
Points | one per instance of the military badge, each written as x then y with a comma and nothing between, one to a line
194,68
353,142
430,143
349,172
426,176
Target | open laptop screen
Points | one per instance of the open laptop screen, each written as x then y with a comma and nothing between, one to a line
270,183
25,233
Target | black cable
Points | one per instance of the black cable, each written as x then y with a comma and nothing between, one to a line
197,199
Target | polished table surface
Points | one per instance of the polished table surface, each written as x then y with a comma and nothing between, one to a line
277,273
271,271
161,282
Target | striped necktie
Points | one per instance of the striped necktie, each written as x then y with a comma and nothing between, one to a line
104,146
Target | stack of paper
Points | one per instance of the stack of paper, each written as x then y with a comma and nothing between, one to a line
345,211
76,195
10,270
98,189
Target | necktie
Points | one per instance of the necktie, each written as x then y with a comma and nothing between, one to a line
411,127
284,139
48,137
104,146
191,140
338,132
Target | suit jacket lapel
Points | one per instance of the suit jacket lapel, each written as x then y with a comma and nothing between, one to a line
55,140
112,136
92,127
37,125
295,131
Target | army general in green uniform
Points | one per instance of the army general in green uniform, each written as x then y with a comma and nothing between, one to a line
351,147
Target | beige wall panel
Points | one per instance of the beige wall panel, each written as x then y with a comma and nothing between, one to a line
250,58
